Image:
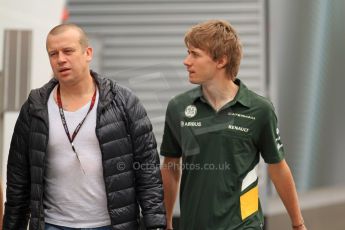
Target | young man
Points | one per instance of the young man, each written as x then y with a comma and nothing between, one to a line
219,129
74,145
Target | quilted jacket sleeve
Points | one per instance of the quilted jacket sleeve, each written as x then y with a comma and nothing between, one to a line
149,187
18,175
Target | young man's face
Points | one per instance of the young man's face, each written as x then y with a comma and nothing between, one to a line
200,66
68,59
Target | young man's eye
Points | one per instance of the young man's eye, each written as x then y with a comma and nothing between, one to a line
191,53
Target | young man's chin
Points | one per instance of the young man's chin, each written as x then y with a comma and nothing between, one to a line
193,81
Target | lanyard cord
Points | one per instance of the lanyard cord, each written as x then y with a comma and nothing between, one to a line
64,123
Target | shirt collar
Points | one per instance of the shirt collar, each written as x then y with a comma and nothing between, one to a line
241,96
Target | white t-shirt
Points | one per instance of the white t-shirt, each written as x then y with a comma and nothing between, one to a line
72,198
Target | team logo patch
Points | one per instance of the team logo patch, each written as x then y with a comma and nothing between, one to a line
190,111
238,128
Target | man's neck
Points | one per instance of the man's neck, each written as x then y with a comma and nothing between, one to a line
219,92
78,89
74,96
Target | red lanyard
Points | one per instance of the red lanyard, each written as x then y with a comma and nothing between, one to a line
63,119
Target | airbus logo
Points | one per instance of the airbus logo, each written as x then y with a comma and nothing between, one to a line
191,124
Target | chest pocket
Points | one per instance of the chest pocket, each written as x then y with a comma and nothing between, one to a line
239,149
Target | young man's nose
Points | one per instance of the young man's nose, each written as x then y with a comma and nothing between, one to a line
186,61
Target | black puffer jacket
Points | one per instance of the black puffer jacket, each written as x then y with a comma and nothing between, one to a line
126,140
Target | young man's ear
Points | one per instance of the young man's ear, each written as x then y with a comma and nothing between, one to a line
222,62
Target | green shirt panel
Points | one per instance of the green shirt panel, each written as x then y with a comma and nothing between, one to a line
218,150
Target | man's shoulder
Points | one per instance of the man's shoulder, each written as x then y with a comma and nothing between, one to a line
259,101
41,94
109,84
262,108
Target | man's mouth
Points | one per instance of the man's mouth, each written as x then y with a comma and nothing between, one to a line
63,70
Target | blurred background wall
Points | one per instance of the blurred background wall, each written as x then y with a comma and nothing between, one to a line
293,54
307,76
306,85
24,62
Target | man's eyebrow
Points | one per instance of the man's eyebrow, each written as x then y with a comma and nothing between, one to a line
194,52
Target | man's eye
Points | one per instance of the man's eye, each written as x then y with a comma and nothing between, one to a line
68,51
194,54
52,54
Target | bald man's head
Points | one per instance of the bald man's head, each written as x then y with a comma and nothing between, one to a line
83,39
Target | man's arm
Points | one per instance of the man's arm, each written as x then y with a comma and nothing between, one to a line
148,180
171,173
282,179
17,210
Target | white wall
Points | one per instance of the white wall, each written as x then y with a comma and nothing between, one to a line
39,16
36,15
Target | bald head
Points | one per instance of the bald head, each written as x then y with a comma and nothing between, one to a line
83,40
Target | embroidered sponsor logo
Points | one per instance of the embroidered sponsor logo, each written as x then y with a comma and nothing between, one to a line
241,115
190,111
191,123
238,128
278,141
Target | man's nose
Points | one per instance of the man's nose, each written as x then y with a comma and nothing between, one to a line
186,61
61,57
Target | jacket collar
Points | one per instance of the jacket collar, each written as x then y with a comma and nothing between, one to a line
106,90
38,98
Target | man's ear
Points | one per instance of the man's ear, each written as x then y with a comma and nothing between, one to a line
89,53
222,62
